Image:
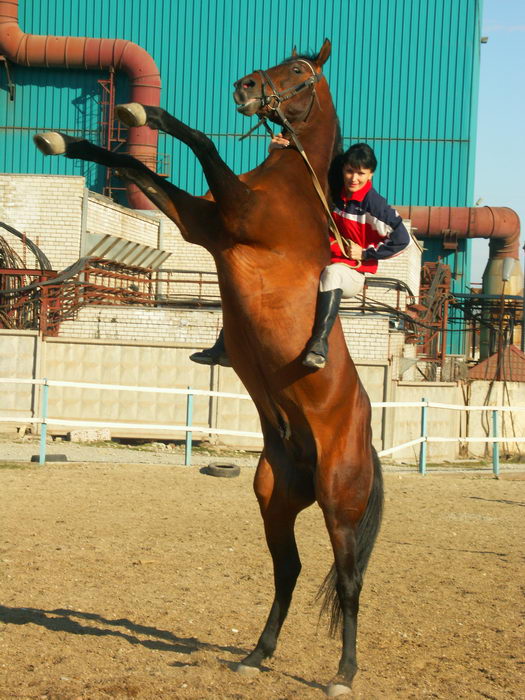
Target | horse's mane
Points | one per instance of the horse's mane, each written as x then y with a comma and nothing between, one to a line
304,56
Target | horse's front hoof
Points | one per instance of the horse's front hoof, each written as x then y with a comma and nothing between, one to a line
51,143
334,690
131,114
245,670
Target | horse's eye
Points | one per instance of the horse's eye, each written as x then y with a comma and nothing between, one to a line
296,69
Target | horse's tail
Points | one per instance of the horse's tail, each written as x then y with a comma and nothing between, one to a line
366,534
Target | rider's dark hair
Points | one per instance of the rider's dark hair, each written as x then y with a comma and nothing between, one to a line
360,155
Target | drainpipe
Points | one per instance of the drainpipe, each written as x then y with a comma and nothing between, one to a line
91,54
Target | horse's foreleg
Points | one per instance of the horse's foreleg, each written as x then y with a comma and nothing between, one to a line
279,504
191,214
227,189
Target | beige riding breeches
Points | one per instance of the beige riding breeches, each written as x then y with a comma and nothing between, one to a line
341,276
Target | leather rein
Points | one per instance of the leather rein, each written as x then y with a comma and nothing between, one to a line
273,101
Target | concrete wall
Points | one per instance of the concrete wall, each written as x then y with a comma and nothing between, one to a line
20,358
512,424
23,354
405,422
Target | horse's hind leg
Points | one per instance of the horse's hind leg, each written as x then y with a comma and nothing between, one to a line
353,522
280,502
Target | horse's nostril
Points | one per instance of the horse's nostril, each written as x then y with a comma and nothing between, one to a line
244,84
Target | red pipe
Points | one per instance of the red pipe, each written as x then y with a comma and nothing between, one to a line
91,54
500,224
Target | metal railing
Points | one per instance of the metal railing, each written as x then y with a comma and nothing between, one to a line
44,420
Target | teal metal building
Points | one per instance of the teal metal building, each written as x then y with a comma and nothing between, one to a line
403,74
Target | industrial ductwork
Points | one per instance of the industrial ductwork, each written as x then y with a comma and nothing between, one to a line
91,54
500,225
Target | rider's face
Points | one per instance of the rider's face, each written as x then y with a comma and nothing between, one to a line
355,178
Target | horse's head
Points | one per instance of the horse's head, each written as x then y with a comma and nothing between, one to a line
292,82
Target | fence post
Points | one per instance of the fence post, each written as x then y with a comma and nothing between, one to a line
423,445
43,425
189,420
495,445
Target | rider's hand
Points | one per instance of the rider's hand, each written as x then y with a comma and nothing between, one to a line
356,252
277,142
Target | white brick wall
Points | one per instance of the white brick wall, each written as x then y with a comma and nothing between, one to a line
196,328
405,267
48,208
104,216
367,337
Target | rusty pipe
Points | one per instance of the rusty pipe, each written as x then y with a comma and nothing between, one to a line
91,54
499,224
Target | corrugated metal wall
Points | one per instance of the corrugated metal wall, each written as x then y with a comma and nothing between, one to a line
403,73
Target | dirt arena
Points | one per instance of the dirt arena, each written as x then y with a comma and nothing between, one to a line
150,581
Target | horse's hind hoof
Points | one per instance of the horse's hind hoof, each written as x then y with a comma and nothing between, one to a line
314,360
131,114
335,690
51,143
245,670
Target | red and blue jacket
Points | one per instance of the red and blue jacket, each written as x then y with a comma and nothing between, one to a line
365,218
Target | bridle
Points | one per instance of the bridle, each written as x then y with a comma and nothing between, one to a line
275,98
274,101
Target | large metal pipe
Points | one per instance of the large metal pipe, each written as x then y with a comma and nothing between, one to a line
91,54
500,224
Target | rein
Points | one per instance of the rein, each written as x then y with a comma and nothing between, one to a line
273,101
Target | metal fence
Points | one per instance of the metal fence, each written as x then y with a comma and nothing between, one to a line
44,420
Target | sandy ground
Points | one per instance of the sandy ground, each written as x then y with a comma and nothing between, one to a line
152,580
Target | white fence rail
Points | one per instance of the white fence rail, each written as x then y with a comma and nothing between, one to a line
189,428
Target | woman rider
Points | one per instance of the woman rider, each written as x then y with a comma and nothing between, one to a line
371,231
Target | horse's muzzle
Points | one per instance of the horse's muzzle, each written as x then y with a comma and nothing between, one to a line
245,104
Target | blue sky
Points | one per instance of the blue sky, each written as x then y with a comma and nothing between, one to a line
500,158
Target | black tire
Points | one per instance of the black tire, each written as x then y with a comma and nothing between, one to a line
50,458
224,469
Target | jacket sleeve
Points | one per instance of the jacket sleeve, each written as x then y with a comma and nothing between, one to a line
395,237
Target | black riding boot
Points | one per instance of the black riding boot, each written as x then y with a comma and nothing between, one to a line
216,355
325,315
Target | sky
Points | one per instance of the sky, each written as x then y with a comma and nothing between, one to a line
500,153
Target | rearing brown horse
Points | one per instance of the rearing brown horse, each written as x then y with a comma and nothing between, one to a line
267,231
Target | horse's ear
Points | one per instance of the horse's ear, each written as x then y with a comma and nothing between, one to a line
324,53
294,51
